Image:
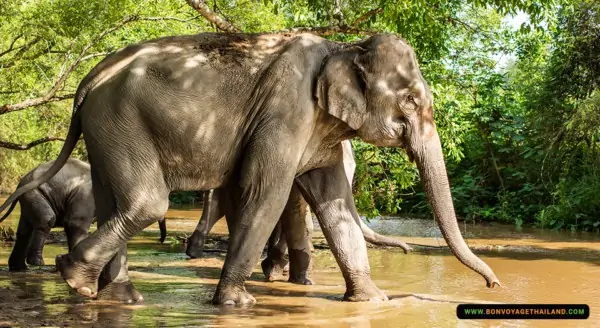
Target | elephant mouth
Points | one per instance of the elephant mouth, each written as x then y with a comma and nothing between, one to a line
405,142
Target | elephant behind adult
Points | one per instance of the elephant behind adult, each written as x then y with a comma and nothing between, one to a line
294,229
66,200
258,114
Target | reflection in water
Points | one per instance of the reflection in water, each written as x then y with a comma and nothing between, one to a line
424,287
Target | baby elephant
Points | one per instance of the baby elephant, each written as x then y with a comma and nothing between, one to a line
66,201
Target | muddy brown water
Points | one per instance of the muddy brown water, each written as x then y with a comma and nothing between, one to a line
424,287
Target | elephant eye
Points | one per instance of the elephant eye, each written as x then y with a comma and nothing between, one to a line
411,98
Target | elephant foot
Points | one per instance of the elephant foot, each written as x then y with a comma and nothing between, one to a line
193,250
123,292
273,270
300,267
193,253
233,296
77,276
17,267
301,280
36,260
364,291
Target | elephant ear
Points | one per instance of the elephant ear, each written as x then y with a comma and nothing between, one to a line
340,87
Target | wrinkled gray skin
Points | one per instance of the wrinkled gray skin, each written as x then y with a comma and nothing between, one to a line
256,114
296,219
65,201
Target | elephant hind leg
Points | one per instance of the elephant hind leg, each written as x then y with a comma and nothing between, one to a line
16,261
127,201
211,213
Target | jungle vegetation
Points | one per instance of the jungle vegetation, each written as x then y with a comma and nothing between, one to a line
516,86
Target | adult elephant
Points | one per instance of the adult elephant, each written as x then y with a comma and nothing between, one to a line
257,114
293,231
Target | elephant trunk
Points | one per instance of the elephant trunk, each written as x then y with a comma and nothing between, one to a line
380,240
430,162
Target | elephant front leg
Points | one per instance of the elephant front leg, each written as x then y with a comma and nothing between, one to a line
104,249
329,194
264,185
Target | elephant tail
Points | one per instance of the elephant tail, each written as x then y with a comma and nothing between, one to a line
380,240
162,225
72,138
12,207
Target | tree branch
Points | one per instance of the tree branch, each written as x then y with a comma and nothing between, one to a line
456,21
50,96
340,28
366,16
65,72
21,50
34,102
12,44
14,146
100,54
327,30
201,7
168,18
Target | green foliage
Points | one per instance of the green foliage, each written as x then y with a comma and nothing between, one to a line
520,140
186,197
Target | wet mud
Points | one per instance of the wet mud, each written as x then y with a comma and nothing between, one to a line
424,287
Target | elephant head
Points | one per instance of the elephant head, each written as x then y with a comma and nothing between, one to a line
377,89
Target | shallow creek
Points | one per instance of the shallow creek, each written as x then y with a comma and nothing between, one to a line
424,287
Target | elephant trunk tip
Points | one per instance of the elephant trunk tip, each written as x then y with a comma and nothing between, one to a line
491,283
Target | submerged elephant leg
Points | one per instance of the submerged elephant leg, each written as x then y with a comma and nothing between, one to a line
126,203
16,261
274,264
211,213
329,194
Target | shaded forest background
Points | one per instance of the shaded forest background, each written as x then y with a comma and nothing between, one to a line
517,108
